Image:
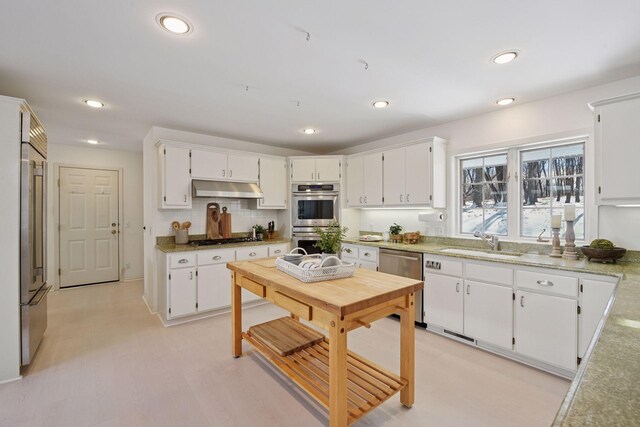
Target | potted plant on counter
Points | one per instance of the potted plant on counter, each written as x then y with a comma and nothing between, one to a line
259,231
330,240
394,233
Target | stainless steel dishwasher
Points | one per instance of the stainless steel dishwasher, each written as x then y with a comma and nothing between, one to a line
405,264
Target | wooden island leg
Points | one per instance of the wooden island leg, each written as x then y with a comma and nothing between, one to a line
338,373
236,317
407,350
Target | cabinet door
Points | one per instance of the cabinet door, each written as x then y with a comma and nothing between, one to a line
617,134
355,195
394,175
214,287
176,179
372,179
546,328
182,292
303,170
488,313
328,169
595,297
242,168
273,182
443,302
208,165
418,176
368,265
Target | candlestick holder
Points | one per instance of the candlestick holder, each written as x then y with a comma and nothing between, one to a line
555,243
570,251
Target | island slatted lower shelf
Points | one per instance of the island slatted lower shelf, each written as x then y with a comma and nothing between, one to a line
368,385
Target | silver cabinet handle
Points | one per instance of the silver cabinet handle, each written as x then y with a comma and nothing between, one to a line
223,172
348,250
360,199
407,197
277,251
457,287
468,289
252,254
367,254
217,257
191,275
545,282
365,199
183,261
401,198
185,198
522,301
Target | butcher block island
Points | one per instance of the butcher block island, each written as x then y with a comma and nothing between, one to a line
348,385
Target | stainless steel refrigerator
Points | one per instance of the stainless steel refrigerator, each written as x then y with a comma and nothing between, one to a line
33,235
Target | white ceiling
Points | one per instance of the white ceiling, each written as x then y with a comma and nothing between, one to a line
430,59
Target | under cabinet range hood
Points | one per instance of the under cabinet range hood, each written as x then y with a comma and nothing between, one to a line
226,189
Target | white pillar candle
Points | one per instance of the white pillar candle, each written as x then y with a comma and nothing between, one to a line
556,221
569,212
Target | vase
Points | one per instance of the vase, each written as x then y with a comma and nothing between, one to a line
331,261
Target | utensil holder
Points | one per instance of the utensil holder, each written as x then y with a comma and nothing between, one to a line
182,237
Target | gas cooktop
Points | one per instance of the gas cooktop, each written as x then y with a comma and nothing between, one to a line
209,242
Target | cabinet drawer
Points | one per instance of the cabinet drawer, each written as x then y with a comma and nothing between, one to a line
253,287
293,306
368,254
349,251
449,267
489,273
549,283
278,250
216,256
182,260
252,252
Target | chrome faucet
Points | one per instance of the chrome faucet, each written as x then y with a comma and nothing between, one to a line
492,240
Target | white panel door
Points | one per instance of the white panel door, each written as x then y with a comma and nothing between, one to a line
208,165
242,168
182,291
394,176
595,297
546,328
88,226
214,287
488,313
355,194
273,183
444,302
303,170
177,180
418,177
328,170
372,179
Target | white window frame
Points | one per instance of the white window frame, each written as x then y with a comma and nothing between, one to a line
514,186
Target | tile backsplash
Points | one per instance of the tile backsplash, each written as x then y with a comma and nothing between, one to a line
243,216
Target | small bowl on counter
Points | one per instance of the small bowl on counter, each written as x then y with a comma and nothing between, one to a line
603,255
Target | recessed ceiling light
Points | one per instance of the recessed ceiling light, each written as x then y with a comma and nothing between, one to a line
309,131
93,103
505,101
381,104
175,24
504,57
93,141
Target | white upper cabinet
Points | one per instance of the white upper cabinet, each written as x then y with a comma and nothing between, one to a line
175,180
315,170
355,183
273,182
364,181
617,149
208,165
418,170
242,168
394,177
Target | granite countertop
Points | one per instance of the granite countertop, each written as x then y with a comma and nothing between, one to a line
172,247
605,388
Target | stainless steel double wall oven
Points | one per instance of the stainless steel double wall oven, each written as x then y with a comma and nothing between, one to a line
314,205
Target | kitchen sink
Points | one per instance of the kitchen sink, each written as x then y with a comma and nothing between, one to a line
483,254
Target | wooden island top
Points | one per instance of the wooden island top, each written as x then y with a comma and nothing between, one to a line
348,385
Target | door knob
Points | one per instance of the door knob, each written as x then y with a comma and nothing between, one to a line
113,224
113,231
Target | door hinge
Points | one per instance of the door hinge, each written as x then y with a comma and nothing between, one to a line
189,171
598,118
196,273
383,200
599,190
165,152
383,157
59,272
579,360
579,310
514,296
581,287
513,340
430,197
169,276
196,305
58,183
169,310
189,153
165,198
430,149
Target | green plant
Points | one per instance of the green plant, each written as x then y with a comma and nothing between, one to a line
259,229
330,237
395,229
602,244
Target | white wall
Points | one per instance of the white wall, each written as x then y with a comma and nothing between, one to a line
10,248
131,226
560,116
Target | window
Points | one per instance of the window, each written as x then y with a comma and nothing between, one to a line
551,178
484,195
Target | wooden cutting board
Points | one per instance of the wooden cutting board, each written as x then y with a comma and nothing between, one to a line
225,223
285,335
213,221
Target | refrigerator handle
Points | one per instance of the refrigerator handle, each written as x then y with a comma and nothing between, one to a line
45,189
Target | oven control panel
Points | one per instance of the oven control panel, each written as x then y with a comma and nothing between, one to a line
432,265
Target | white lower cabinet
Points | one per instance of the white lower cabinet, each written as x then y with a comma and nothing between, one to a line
182,291
368,265
214,287
488,313
594,297
546,328
362,256
444,302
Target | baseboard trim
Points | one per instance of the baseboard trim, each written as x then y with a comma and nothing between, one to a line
218,312
11,380
147,304
133,279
